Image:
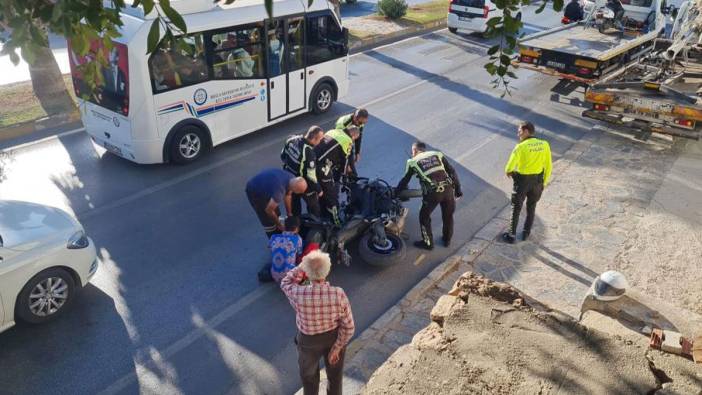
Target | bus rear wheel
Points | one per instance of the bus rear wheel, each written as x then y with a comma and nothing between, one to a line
187,145
322,98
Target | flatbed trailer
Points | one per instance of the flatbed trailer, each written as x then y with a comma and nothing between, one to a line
654,94
580,52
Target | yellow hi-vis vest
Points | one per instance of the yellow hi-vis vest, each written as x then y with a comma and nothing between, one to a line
344,140
531,156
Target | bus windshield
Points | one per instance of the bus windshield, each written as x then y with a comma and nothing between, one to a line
113,92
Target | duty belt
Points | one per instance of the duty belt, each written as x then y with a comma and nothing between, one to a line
438,187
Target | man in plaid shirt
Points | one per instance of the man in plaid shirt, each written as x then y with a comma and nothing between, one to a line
324,321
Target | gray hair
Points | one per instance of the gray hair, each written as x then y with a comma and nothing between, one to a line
316,265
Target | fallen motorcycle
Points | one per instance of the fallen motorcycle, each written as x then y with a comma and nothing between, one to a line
370,211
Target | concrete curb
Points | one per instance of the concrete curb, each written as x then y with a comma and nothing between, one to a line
26,128
383,39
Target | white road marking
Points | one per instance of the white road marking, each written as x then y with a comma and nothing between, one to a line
476,148
195,334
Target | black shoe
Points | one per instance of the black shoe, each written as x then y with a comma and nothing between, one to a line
508,238
525,235
421,244
447,242
264,275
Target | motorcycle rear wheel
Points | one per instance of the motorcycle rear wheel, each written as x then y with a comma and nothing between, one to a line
382,255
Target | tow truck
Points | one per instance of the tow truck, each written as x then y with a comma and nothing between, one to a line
585,52
662,91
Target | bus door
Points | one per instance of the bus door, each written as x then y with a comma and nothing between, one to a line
286,66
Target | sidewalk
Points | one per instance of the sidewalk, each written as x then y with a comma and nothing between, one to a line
615,203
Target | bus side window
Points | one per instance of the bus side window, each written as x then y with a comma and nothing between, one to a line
325,39
172,68
237,53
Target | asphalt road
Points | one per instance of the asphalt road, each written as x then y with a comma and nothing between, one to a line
176,307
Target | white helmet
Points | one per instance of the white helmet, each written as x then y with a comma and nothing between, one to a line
610,285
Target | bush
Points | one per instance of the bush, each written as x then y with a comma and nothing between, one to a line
392,9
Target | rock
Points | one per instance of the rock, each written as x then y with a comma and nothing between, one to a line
443,308
431,337
518,302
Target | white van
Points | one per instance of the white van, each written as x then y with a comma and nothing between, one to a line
237,71
472,15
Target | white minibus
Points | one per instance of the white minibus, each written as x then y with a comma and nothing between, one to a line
236,72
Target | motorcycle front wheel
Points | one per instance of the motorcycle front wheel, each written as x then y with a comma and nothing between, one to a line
382,255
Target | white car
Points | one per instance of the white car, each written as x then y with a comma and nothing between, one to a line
45,258
472,15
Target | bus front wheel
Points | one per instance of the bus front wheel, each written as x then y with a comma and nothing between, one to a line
322,98
188,144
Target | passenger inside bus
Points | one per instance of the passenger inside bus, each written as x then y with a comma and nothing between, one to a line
232,60
275,51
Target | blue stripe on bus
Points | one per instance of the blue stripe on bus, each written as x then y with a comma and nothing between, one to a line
222,107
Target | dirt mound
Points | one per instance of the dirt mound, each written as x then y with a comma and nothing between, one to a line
480,342
476,284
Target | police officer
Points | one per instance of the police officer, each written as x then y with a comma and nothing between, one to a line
333,161
529,166
300,160
358,118
440,186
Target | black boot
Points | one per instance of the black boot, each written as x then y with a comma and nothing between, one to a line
525,235
447,242
421,244
508,238
264,275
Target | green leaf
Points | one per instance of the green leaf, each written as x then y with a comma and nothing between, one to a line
557,5
148,6
505,60
29,53
511,74
154,34
491,68
173,16
269,7
492,22
511,41
14,58
493,50
501,70
56,13
136,3
309,3
541,7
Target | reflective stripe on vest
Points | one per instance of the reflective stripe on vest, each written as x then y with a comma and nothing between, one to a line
422,174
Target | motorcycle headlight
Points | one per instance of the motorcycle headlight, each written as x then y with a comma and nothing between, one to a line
77,241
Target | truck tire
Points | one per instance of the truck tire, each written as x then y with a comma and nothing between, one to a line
453,30
375,256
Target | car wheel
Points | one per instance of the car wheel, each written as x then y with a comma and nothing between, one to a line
322,98
519,16
45,296
453,30
188,144
385,255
